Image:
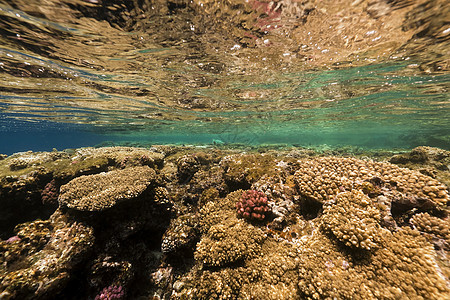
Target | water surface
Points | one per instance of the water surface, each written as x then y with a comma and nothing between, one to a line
369,74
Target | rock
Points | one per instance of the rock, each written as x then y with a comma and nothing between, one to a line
41,261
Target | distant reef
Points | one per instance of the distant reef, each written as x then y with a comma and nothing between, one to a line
185,222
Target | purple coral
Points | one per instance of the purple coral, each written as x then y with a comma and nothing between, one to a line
253,205
50,193
111,292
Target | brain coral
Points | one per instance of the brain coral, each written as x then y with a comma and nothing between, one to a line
101,191
353,220
322,178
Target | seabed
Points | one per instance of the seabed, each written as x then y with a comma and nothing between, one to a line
172,222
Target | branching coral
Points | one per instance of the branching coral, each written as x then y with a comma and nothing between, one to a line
253,205
353,219
403,269
426,223
322,178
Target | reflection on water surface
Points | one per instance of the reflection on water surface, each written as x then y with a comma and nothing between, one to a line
367,73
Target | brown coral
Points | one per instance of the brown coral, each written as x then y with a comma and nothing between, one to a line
426,223
403,269
228,242
322,178
353,219
47,268
104,190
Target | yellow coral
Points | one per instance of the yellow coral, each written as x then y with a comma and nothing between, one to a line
324,177
433,225
215,211
104,190
403,269
228,242
353,220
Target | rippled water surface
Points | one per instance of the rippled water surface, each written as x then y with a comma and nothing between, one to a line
373,74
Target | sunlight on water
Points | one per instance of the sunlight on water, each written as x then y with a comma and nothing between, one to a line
253,72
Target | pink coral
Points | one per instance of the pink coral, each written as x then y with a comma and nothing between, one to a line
50,193
111,292
253,205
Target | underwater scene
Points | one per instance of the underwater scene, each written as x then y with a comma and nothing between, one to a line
224,149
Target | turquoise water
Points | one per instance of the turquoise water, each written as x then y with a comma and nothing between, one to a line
80,73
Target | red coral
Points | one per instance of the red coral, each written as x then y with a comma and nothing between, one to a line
253,205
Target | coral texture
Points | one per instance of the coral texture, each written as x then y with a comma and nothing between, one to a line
353,219
50,193
426,223
53,249
104,190
338,228
322,178
403,269
253,205
111,292
180,234
228,242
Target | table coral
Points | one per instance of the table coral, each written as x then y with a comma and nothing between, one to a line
101,191
253,205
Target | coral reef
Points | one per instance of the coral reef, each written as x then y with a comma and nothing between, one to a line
437,227
430,161
186,223
53,249
228,242
181,234
390,272
353,219
253,205
243,170
104,190
322,178
187,166
50,193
